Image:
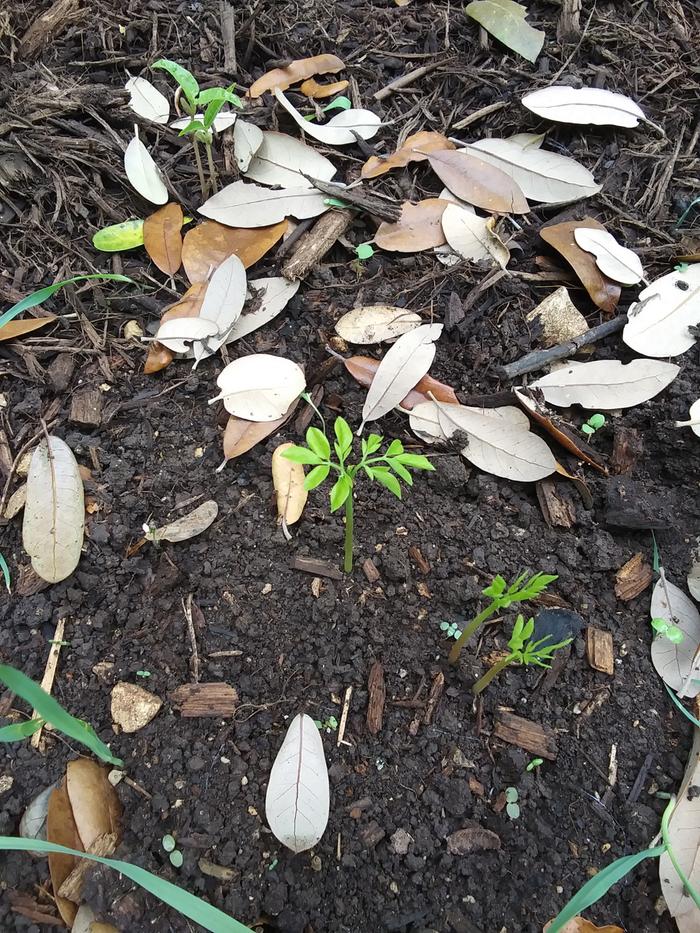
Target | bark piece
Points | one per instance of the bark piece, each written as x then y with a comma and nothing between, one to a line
629,505
60,372
454,312
472,838
377,698
599,650
436,688
86,407
47,26
314,245
370,570
557,507
372,834
633,578
316,567
105,845
212,699
627,449
417,557
220,872
540,740
569,25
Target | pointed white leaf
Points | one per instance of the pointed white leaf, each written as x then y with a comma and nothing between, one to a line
177,333
54,514
281,159
404,365
297,802
337,131
245,205
693,423
426,424
606,384
276,293
678,664
472,236
222,121
143,173
584,105
527,140
614,260
259,387
505,20
187,526
375,323
223,303
658,322
247,139
541,175
147,101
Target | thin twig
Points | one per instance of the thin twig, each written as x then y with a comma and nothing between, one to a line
194,657
49,673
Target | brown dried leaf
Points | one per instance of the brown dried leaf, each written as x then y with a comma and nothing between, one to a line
19,328
207,245
288,480
559,432
419,228
478,183
472,838
295,72
317,91
162,238
158,358
188,306
61,829
241,436
579,925
425,141
633,578
363,368
603,291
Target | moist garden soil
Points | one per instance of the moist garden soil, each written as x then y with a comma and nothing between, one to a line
295,642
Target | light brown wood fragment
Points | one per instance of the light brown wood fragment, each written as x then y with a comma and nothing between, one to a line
47,26
49,674
370,570
633,578
557,507
212,699
599,650
534,738
377,698
105,845
314,245
86,407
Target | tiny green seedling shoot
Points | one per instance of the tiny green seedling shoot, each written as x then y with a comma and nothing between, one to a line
522,651
502,596
450,629
329,725
512,805
381,469
594,423
668,630
200,129
535,763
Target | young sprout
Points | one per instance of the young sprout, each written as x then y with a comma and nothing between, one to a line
200,126
450,629
502,596
330,724
594,423
512,807
535,763
672,632
522,651
381,469
364,251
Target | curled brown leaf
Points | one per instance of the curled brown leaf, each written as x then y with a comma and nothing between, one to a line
207,245
603,291
162,237
418,228
414,149
317,91
295,72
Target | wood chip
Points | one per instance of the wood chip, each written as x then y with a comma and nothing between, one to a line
627,449
49,674
472,838
318,568
104,846
436,688
633,578
377,698
219,872
29,582
132,707
86,407
372,834
540,740
212,699
454,311
370,570
599,650
557,506
60,372
421,563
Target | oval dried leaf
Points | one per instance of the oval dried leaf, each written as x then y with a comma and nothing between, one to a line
54,514
340,130
288,480
14,329
317,91
247,139
472,237
143,173
147,101
61,829
603,291
363,369
414,149
188,306
505,20
246,205
94,802
419,228
260,387
206,246
241,436
273,294
177,333
162,238
296,71
659,322
375,323
677,663
606,384
280,160
591,105
693,423
478,182
189,526
617,262
222,304
33,822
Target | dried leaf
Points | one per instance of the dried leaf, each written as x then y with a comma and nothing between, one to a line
317,91
420,227
147,101
247,139
659,321
341,129
559,318
296,71
143,173
580,925
408,360
473,237
281,159
603,292
222,304
693,574
375,323
606,384
541,175
275,294
177,333
55,491
414,149
33,822
245,205
472,839
158,358
241,436
288,480
505,20
189,526
162,238
583,105
86,922
693,421
188,306
677,663
260,387
14,329
61,829
206,246
364,368
615,261
478,182
559,433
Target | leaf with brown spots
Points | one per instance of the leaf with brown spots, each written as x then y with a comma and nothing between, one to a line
603,291
419,228
317,91
363,368
294,72
162,238
206,246
424,141
477,182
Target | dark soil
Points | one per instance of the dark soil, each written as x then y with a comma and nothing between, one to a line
64,124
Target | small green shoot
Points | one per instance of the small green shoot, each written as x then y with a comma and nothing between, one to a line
175,856
535,763
512,806
143,673
40,295
667,630
329,725
340,103
6,573
502,596
364,251
200,126
450,629
168,842
594,423
381,469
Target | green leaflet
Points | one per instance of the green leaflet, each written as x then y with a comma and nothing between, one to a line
38,297
127,235
20,730
211,918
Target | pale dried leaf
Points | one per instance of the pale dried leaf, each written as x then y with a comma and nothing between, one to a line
276,293
559,318
223,303
374,323
603,291
658,323
693,423
606,384
177,333
505,20
189,526
694,572
241,204
591,105
472,237
614,260
678,664
337,131
247,139
260,387
147,101
288,480
281,159
143,173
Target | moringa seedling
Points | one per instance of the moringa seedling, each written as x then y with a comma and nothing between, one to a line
330,724
594,423
381,468
522,651
535,763
512,805
502,596
668,630
200,126
450,629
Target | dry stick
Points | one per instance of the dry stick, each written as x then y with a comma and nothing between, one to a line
49,674
538,359
194,657
344,716
359,197
227,15
479,114
407,79
314,244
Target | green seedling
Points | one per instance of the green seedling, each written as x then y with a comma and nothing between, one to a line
40,295
667,630
330,724
5,572
522,651
512,806
364,251
175,856
143,673
450,629
340,103
381,469
502,596
535,763
594,423
194,100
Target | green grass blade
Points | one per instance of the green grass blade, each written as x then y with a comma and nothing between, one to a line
5,572
20,730
600,884
54,713
695,722
36,298
211,918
